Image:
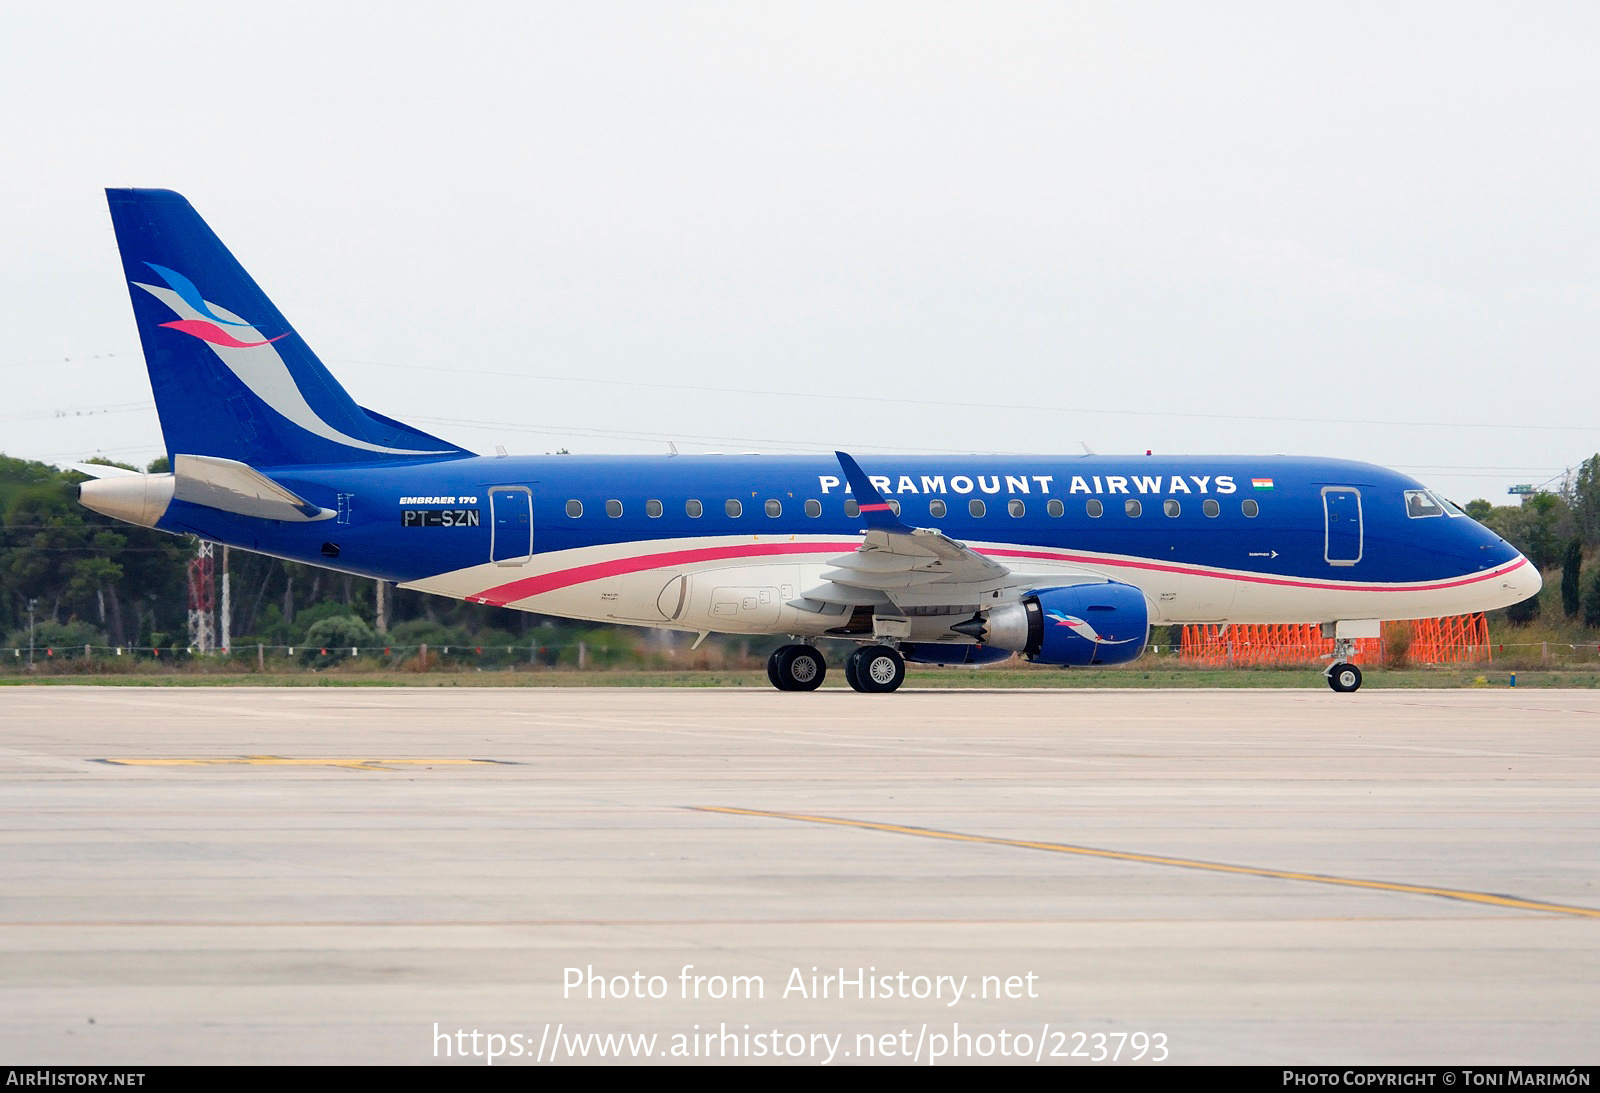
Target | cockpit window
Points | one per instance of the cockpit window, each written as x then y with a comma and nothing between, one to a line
1421,503
1450,507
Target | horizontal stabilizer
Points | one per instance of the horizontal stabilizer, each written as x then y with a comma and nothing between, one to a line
232,486
100,470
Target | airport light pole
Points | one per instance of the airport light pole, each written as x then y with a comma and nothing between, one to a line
32,603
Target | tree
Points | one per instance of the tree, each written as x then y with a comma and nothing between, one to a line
60,636
1591,601
1582,494
1535,527
1571,567
337,634
79,563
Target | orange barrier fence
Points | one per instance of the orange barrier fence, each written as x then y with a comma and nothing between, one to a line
1458,639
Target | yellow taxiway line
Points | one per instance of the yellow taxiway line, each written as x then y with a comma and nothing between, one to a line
1183,863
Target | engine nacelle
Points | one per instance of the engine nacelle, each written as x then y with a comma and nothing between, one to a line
1080,624
933,652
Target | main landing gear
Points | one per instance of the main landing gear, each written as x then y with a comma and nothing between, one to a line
1343,676
875,669
871,669
796,668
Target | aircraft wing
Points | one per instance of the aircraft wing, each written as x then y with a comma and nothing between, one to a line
915,567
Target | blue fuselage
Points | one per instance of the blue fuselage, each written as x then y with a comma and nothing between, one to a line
1257,521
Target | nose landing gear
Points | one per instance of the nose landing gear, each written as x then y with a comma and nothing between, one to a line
1343,677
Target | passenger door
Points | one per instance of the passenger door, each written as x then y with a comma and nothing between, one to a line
1341,510
511,525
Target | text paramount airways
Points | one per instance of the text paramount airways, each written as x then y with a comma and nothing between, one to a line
815,985
887,484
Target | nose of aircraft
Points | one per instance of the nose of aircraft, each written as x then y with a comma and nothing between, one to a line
1522,583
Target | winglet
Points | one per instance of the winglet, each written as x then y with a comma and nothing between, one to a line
874,509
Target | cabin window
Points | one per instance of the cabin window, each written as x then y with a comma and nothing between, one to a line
1055,508
1132,507
1250,508
1211,508
653,509
1016,507
613,509
774,507
693,509
894,506
733,508
1094,508
813,508
1421,503
1171,507
574,509
975,507
936,509
851,509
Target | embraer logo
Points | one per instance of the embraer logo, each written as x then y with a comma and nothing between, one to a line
205,329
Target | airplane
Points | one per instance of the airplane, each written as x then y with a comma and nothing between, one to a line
1067,560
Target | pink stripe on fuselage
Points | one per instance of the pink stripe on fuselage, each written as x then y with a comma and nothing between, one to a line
501,595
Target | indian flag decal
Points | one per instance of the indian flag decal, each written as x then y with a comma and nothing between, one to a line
1261,483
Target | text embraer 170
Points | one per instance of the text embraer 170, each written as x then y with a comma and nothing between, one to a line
954,560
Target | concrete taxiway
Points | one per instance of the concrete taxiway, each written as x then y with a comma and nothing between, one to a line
343,875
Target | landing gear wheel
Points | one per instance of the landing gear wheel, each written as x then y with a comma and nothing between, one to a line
796,668
1344,678
875,669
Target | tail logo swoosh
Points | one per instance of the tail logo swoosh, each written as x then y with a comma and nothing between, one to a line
211,332
250,356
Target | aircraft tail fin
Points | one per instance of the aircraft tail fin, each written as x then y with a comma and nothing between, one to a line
231,378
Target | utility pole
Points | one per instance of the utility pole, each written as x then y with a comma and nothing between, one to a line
381,619
31,605
225,623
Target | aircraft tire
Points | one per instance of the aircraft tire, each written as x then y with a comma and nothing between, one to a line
1344,678
875,669
796,668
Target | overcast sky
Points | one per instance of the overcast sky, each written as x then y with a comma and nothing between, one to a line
1345,229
